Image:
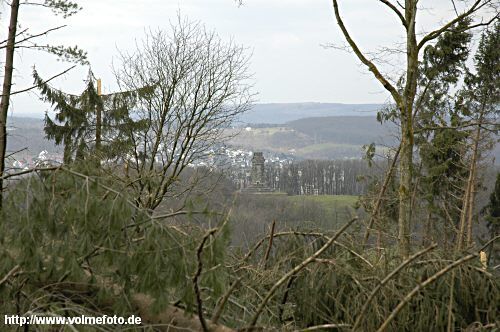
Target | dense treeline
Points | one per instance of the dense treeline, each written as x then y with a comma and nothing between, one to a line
322,177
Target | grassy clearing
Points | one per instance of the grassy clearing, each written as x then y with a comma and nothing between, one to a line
328,201
332,209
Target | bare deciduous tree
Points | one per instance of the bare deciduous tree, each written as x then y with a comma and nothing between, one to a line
185,88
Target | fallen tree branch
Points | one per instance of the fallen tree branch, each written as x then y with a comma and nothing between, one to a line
305,234
285,297
13,153
294,271
9,274
31,170
324,326
381,194
417,288
384,281
199,301
258,244
223,301
489,242
270,246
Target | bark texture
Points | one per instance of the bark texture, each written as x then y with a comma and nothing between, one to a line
6,89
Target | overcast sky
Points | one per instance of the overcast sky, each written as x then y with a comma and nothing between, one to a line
285,38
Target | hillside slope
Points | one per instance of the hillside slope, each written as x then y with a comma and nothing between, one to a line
281,113
335,137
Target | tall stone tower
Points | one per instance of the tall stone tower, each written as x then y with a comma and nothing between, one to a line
257,175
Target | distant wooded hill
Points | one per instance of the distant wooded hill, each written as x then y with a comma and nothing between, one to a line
280,113
27,133
333,137
357,130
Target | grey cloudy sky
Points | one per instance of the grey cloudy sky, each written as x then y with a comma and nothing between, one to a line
285,37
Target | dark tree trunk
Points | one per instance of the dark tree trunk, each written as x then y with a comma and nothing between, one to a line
7,84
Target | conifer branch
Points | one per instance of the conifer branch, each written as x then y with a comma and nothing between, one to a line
38,85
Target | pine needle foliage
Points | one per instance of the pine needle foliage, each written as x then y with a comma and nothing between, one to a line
75,123
80,244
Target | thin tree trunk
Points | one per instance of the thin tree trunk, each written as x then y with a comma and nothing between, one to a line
7,84
406,111
98,121
378,203
405,167
463,215
468,200
472,186
470,209
426,236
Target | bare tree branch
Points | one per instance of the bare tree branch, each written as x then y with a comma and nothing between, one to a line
371,66
396,10
46,32
478,4
199,302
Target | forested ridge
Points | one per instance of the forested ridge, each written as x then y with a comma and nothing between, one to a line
138,218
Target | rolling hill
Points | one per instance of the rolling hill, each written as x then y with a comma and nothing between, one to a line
281,113
334,137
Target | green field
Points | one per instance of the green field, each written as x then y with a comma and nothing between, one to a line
324,211
328,201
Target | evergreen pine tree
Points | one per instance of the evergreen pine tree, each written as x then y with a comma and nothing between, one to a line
74,122
478,102
84,122
441,148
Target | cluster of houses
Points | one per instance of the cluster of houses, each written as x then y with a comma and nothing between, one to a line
25,161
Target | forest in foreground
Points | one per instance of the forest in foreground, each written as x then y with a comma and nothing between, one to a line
125,225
